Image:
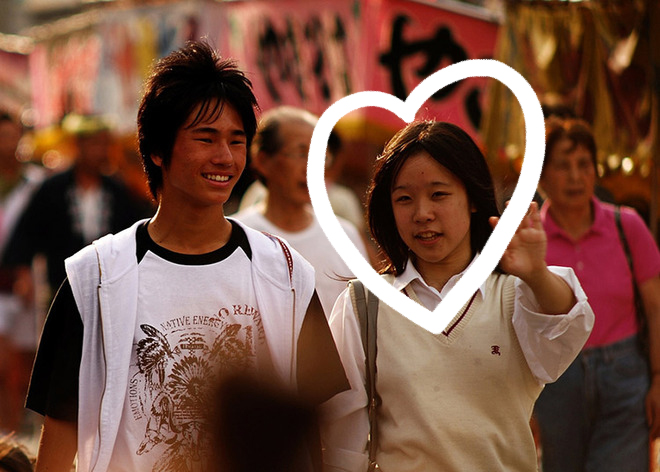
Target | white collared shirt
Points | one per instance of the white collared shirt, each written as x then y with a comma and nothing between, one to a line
549,344
429,296
531,326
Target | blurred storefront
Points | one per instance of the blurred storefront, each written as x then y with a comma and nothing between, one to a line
596,59
307,54
593,56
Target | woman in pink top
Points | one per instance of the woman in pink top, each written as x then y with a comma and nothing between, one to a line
598,415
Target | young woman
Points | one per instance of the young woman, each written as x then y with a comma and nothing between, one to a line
460,400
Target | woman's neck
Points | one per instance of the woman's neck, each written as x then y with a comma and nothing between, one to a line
574,221
437,274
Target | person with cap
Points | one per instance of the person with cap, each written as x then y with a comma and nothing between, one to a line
71,208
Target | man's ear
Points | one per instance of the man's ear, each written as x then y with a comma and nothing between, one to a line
260,163
157,160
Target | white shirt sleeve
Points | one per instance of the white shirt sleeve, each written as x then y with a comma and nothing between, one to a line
551,342
344,420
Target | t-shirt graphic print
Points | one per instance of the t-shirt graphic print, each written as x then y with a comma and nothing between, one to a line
178,366
196,323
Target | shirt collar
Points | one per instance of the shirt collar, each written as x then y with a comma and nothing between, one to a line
551,227
600,218
410,275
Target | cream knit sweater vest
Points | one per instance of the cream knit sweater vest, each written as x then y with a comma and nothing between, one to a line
460,401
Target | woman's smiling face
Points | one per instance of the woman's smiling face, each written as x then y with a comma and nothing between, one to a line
432,212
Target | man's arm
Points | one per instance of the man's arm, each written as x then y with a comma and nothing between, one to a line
53,390
57,446
343,419
320,372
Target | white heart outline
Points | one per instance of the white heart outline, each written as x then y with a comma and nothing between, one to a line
492,252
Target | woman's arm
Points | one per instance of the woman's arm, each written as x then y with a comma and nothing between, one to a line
344,421
525,258
650,294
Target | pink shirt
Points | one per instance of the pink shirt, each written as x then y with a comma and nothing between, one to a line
599,260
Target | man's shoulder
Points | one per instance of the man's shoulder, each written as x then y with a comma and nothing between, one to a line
347,226
114,183
631,220
54,185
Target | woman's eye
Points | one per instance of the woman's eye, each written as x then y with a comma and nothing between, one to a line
402,198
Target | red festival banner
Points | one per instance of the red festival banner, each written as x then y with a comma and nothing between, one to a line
306,54
408,41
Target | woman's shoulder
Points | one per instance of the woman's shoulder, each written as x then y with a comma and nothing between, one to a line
499,282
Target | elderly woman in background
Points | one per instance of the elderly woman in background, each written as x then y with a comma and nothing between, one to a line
598,415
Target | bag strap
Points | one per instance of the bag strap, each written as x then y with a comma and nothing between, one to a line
367,313
287,254
639,306
289,263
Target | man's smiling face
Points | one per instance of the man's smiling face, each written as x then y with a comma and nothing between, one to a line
207,160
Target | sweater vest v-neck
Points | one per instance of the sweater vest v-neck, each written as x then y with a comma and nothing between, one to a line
459,400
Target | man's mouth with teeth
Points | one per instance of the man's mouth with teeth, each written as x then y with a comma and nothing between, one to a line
427,236
217,178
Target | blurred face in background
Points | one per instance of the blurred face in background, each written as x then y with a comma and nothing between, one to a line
93,152
569,177
286,170
10,135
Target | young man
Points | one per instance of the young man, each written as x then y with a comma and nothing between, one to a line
280,151
175,304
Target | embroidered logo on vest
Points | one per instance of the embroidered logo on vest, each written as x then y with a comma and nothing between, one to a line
495,350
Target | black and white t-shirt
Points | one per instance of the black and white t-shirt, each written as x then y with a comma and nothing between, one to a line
197,320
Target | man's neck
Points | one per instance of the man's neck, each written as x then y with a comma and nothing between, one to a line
289,217
190,232
86,180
